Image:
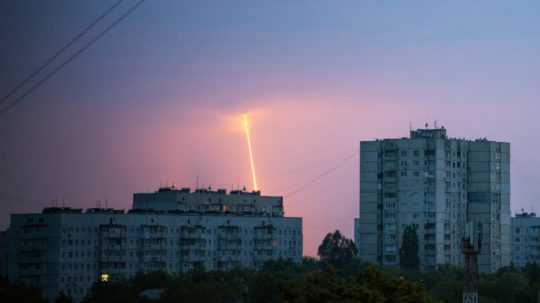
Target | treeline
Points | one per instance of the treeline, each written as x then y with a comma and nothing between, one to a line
337,276
278,281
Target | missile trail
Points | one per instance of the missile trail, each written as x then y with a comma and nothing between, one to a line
251,161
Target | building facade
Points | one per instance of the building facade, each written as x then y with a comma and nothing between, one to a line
209,201
3,254
525,239
438,184
64,249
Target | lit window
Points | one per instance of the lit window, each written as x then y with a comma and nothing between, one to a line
104,278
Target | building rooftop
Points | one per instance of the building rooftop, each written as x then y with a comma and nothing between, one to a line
436,133
524,214
220,191
170,200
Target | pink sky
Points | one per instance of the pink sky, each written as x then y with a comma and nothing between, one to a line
159,98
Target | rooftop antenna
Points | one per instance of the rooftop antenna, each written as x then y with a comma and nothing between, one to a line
410,126
435,123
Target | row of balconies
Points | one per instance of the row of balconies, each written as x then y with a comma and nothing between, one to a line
265,253
258,243
32,244
197,242
113,265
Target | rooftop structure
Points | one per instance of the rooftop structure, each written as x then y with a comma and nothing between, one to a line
207,201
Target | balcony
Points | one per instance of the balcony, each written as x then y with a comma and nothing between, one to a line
154,231
191,255
31,270
113,266
154,244
227,265
192,237
32,244
229,237
112,231
31,257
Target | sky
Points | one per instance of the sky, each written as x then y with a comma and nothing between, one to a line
158,100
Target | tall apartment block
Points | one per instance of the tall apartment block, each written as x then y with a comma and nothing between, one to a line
438,184
3,254
173,230
525,239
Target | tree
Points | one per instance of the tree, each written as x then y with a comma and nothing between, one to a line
111,292
337,249
532,272
408,253
19,292
63,298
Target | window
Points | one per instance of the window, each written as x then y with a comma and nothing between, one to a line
390,258
429,247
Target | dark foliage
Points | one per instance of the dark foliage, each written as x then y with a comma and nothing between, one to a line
278,281
63,298
336,249
19,292
408,253
338,277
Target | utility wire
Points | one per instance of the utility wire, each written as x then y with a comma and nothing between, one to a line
75,55
60,51
320,176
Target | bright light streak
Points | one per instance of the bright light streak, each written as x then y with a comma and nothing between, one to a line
251,161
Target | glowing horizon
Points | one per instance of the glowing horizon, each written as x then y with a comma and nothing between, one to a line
250,150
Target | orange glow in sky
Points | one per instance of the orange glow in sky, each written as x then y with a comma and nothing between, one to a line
251,161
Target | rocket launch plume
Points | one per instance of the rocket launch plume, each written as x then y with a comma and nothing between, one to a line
251,161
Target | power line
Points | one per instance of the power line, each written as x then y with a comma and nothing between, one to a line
75,55
60,51
323,174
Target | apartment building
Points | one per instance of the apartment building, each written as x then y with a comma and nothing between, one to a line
3,254
438,184
65,249
525,239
